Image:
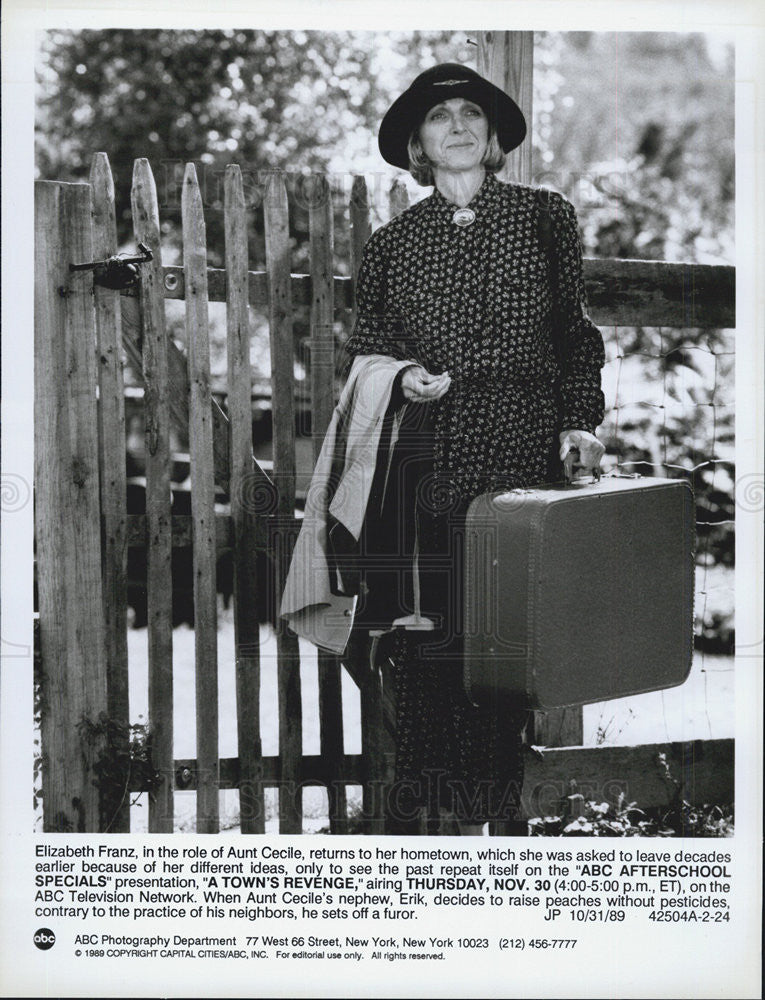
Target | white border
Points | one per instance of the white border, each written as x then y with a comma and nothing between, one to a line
742,20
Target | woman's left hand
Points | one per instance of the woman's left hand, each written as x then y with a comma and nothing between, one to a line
419,386
580,450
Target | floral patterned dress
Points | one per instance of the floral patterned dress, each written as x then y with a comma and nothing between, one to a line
476,301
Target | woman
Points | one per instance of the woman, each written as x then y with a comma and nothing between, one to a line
464,287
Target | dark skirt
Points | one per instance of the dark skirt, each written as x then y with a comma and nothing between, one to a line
451,755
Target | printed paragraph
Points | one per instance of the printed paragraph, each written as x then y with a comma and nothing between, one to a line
266,883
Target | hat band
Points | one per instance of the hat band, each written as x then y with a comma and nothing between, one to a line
447,83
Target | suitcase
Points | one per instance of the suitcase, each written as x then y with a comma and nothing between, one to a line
579,593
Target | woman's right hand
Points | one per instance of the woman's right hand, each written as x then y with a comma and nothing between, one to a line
419,386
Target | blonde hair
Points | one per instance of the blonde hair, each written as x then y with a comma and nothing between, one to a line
421,168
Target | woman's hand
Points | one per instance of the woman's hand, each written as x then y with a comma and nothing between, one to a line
419,386
580,450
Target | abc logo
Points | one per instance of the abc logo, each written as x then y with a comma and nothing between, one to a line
44,939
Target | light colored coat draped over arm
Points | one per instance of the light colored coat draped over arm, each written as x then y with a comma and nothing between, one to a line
308,604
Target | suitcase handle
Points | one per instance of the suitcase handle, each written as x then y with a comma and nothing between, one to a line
588,479
585,480
569,476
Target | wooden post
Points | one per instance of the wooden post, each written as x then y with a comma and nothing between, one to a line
398,198
319,195
159,528
373,742
111,439
361,228
244,507
320,227
67,514
560,727
202,503
283,409
506,58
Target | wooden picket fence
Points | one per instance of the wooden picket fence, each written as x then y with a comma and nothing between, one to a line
82,333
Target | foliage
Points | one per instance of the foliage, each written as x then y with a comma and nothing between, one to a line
582,817
270,99
646,156
357,822
123,755
296,101
637,128
670,412
123,759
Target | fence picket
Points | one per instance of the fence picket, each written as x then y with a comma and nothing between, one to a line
372,740
111,443
361,228
375,680
375,685
67,518
320,229
371,695
283,410
398,198
319,196
202,503
244,504
178,386
143,199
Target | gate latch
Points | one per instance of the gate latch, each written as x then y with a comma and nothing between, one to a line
119,271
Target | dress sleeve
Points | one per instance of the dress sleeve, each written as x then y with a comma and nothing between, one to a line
378,329
583,355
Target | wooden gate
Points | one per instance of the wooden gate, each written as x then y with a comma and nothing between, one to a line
83,530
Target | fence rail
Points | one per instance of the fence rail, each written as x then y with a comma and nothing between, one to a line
84,531
620,292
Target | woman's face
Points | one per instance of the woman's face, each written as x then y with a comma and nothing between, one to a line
454,135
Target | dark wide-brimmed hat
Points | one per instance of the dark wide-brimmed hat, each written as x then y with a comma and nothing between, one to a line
440,83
